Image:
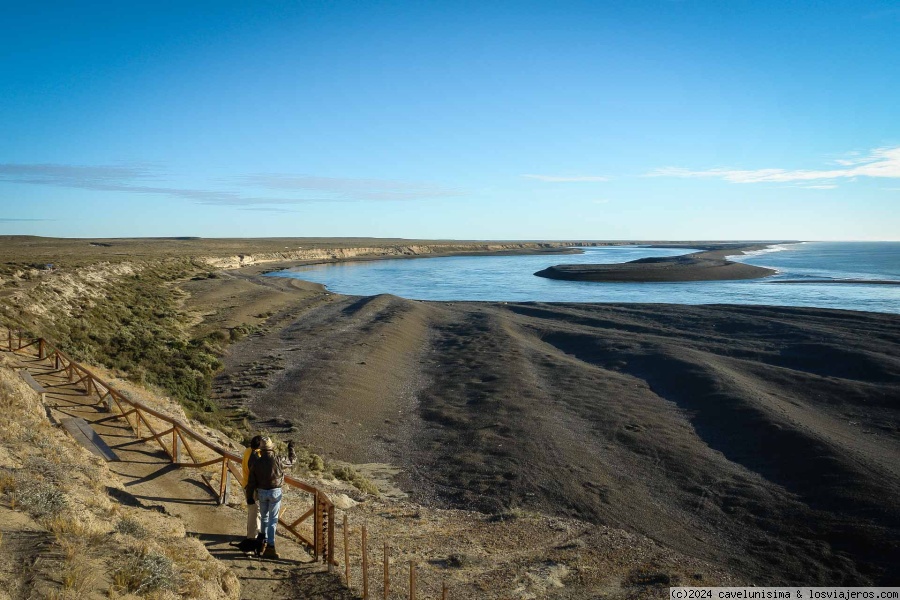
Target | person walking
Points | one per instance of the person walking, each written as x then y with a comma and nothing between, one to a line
252,453
265,480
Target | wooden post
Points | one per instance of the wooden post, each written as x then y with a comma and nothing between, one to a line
56,363
40,348
176,455
323,523
365,564
346,552
387,572
330,556
444,590
223,485
137,421
412,580
317,526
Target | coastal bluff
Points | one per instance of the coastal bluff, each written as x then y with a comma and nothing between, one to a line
709,264
329,254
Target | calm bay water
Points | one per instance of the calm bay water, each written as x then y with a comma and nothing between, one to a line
512,279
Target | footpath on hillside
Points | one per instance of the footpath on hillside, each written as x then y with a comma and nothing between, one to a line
154,483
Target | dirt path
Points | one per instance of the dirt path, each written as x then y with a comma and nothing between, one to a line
152,482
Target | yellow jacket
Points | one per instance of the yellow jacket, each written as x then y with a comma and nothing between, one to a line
245,465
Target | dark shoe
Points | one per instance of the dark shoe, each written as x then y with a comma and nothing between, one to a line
269,552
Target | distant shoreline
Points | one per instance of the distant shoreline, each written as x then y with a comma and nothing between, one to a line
709,264
844,281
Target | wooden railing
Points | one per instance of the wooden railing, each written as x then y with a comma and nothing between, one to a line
173,436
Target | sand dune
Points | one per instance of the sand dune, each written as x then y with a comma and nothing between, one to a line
710,264
765,439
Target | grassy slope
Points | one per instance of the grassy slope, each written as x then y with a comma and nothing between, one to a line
128,318
66,538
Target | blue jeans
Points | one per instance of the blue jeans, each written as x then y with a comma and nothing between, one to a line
269,502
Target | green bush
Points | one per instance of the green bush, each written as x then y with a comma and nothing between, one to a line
137,328
353,477
316,463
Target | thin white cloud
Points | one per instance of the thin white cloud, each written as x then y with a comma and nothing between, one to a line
852,158
5,220
343,188
148,180
882,162
271,209
566,179
827,186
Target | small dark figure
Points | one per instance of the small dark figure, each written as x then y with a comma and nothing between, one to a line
292,454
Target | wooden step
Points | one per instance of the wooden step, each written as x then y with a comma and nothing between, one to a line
33,383
83,433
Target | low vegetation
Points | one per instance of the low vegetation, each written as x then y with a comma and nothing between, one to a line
128,318
352,476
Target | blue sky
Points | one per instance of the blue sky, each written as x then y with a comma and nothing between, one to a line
655,119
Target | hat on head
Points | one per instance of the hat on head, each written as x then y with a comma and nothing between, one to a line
267,444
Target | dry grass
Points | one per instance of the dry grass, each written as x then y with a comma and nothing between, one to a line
129,526
144,571
79,576
70,528
7,482
62,487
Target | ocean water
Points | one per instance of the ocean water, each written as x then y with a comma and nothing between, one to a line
512,279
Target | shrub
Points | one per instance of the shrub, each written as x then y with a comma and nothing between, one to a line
128,526
8,482
145,572
352,476
241,331
316,463
37,438
40,499
47,469
459,560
